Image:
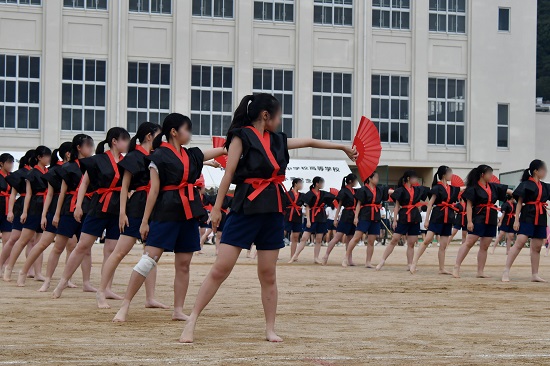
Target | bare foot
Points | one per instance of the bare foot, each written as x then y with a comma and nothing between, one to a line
120,317
179,316
59,289
111,295
45,286
537,278
444,272
101,300
368,265
154,304
70,284
482,275
21,279
39,278
187,336
324,261
345,263
87,287
506,276
317,261
292,260
272,337
456,272
7,274
493,250
380,265
412,268
351,264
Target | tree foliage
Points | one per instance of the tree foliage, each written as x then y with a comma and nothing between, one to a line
543,50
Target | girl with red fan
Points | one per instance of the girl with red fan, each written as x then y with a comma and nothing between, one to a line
481,212
439,216
530,220
316,218
408,197
293,214
460,219
506,224
367,217
257,161
345,228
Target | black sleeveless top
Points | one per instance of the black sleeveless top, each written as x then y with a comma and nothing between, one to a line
442,214
136,163
39,187
366,197
479,197
347,197
53,178
17,181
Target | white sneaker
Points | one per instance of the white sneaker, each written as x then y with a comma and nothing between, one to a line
376,243
361,244
286,241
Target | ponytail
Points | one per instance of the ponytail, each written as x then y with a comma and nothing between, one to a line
316,181
535,165
249,110
406,177
144,129
58,155
26,159
172,121
441,172
39,152
115,133
367,181
78,141
475,174
295,181
348,179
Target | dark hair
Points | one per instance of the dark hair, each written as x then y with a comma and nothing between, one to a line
441,171
475,174
367,181
406,177
59,154
78,141
172,121
350,178
39,152
509,197
143,130
315,181
115,133
25,160
249,110
5,157
535,165
296,181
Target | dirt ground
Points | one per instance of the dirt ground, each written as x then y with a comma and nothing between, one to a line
327,316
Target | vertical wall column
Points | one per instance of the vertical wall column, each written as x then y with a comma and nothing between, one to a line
244,49
51,68
117,65
181,65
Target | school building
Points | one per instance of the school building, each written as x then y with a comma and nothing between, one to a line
445,81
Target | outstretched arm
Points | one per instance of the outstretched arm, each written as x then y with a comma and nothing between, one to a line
295,143
214,153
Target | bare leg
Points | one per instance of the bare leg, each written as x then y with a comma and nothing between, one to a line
389,249
20,244
351,245
294,237
335,240
509,241
123,247
443,243
370,250
267,274
150,283
181,284
305,237
512,255
53,259
108,249
463,252
218,239
497,240
536,246
482,257
220,270
36,251
411,241
421,249
7,248
317,249
453,234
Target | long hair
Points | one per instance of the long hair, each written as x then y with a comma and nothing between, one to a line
407,175
348,179
367,181
249,110
475,174
26,159
295,181
78,141
535,165
144,129
316,181
58,155
441,171
39,152
115,133
172,121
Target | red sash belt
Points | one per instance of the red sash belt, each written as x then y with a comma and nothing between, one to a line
293,206
463,214
446,206
540,209
315,210
510,215
106,195
375,208
489,207
181,188
224,210
146,188
260,184
6,195
412,207
74,198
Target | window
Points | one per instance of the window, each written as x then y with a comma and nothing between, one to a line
504,19
333,12
86,4
22,2
331,106
446,102
394,14
83,95
274,10
503,125
19,92
211,99
213,8
448,16
390,107
151,6
148,93
280,83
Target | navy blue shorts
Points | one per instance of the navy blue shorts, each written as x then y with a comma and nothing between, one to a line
5,225
33,223
532,231
133,229
68,226
94,226
317,228
369,227
293,227
347,228
330,224
266,230
221,226
458,227
175,236
487,231
423,231
441,229
16,224
49,226
204,225
508,229
408,229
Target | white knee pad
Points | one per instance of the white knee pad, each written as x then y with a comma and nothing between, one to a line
145,265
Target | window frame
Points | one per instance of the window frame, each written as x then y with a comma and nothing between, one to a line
389,97
83,107
149,11
323,4
391,10
446,123
227,114
509,30
448,13
18,3
148,86
212,7
273,3
16,104
273,91
86,7
506,126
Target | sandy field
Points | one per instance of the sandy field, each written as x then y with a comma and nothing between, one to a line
327,316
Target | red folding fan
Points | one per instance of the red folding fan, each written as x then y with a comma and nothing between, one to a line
199,183
494,179
367,143
456,181
335,192
220,142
